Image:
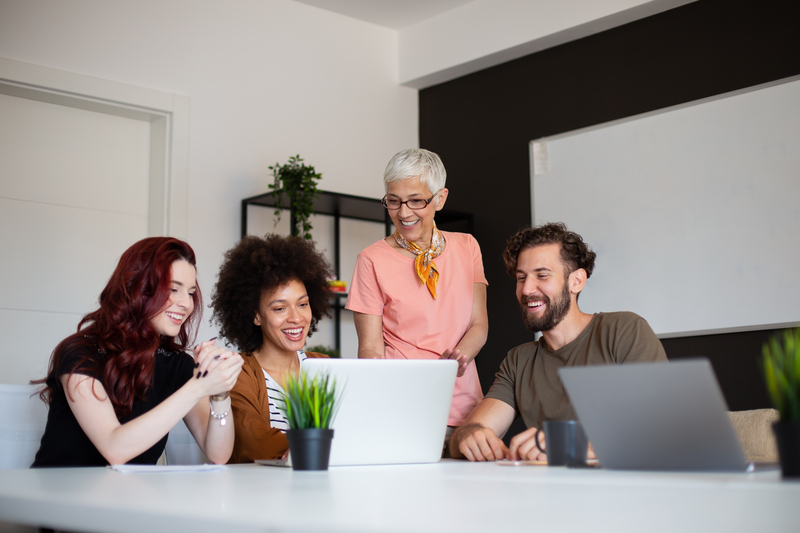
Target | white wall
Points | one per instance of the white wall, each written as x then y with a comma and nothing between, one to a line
267,79
484,33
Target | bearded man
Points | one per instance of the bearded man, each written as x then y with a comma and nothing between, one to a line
551,265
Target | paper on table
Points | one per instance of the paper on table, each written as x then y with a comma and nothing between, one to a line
506,462
128,469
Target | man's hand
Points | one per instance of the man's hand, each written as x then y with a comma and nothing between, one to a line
523,446
478,443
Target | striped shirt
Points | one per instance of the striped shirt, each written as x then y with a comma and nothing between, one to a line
276,403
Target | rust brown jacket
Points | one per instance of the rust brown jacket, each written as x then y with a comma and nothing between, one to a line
255,438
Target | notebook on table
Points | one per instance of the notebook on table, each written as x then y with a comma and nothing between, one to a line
655,416
391,412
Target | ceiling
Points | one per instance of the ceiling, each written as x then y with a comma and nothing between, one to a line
394,14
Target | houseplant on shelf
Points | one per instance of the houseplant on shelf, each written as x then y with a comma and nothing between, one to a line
299,182
781,360
309,406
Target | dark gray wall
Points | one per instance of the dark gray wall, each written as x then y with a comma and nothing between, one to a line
481,124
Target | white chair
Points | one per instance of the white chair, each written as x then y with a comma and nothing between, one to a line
22,420
182,449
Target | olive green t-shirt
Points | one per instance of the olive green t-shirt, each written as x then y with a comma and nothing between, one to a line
528,377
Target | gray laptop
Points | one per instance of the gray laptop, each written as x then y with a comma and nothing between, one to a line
392,411
655,416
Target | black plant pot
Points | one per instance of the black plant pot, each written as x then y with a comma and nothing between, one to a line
310,448
787,434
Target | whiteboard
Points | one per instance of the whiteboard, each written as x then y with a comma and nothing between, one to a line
694,212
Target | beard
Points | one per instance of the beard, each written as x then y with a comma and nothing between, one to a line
556,311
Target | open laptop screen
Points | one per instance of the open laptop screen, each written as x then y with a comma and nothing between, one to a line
655,416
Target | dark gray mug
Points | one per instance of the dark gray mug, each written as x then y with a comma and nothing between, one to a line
566,441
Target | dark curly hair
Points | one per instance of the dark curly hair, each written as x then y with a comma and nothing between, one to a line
574,252
258,266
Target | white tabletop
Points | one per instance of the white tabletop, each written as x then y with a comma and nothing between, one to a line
445,496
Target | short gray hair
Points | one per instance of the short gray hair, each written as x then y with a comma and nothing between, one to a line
416,163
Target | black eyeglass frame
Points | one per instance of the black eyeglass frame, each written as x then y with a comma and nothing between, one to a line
385,203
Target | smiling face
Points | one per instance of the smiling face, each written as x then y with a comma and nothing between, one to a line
414,224
284,317
542,287
180,305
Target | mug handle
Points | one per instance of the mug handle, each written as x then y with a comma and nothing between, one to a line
538,444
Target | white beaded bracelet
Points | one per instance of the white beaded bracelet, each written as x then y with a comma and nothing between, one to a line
219,417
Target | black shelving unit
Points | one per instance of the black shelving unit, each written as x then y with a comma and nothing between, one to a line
335,204
340,206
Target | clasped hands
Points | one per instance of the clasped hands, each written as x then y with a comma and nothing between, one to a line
217,368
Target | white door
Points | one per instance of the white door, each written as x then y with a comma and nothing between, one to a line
73,197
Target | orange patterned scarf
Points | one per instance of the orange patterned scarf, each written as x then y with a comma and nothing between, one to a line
423,264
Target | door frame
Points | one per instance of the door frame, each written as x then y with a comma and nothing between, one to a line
167,114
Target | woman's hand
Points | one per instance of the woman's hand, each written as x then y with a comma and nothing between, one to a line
463,360
217,368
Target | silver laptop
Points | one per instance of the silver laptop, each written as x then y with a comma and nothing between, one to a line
655,416
392,411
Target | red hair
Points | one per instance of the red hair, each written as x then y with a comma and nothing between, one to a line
121,330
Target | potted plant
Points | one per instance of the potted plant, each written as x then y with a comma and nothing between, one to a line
310,406
781,360
298,181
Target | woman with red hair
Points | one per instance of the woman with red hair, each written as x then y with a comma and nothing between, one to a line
119,384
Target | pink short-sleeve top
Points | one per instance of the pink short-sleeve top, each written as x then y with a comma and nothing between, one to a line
415,326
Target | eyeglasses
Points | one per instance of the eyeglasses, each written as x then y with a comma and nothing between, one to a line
415,203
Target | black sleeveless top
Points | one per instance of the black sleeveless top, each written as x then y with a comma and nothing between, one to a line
65,444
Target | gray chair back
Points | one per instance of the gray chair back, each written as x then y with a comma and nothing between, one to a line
182,449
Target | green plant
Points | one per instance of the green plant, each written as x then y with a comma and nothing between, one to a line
298,181
781,362
309,402
333,353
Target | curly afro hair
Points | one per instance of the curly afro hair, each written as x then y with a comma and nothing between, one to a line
575,253
258,266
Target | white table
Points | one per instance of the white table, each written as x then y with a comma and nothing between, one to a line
446,496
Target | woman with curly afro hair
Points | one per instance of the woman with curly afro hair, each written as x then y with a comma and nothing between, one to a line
270,294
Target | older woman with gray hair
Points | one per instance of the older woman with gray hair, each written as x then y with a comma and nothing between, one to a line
421,293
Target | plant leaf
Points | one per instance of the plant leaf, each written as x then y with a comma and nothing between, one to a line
310,403
781,366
